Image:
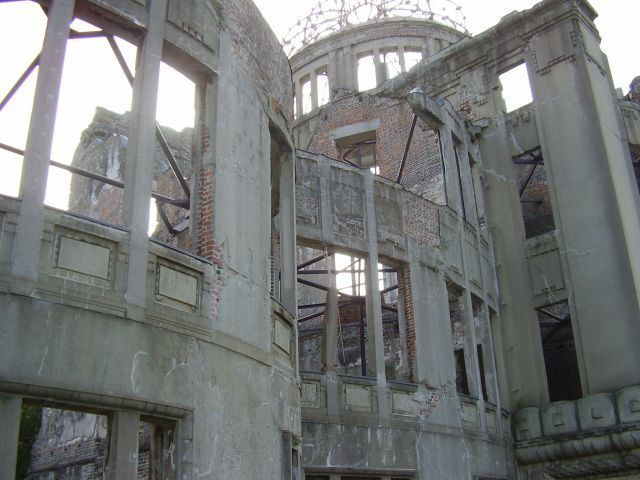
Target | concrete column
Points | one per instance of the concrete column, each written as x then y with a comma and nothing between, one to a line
349,69
467,184
299,101
434,362
520,332
452,185
139,165
489,356
470,356
314,90
288,233
595,200
375,346
10,410
35,166
381,68
402,326
332,73
331,319
122,456
403,66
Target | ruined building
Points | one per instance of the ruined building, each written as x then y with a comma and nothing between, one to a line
365,266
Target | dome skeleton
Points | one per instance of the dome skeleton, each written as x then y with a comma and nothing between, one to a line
330,16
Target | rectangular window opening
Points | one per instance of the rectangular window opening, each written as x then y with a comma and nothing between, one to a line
391,61
537,211
366,73
516,89
457,332
322,80
412,58
307,104
559,350
359,150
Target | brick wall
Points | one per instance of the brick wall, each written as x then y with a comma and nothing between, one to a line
422,173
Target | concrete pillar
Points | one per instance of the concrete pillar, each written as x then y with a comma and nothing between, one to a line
139,166
332,73
403,65
122,456
375,346
10,410
331,319
314,90
594,197
519,329
489,356
402,326
381,68
35,166
434,363
298,105
466,178
470,342
288,233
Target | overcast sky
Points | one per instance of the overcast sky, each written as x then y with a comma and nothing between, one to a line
617,23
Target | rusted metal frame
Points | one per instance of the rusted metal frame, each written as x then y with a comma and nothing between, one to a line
556,330
320,272
406,148
20,81
313,260
159,135
163,216
311,317
318,305
520,161
322,287
389,309
389,289
523,187
95,176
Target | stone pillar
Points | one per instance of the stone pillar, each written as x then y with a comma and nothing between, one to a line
331,319
332,73
594,197
403,65
288,233
122,456
139,166
434,364
381,68
466,178
520,333
402,326
375,346
10,411
299,100
35,166
314,90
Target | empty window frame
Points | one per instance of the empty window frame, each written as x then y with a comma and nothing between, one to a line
359,150
516,89
458,335
307,102
411,58
559,350
322,84
366,73
391,62
537,211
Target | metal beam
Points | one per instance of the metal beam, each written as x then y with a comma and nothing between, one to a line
406,148
20,81
159,135
101,178
314,260
526,182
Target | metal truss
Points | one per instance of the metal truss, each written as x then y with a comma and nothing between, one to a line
330,16
161,200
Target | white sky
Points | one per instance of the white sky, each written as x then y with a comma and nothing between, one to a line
92,77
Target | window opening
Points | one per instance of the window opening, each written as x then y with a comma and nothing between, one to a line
559,350
17,85
366,73
516,89
457,332
322,79
412,58
537,212
307,104
391,62
359,150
